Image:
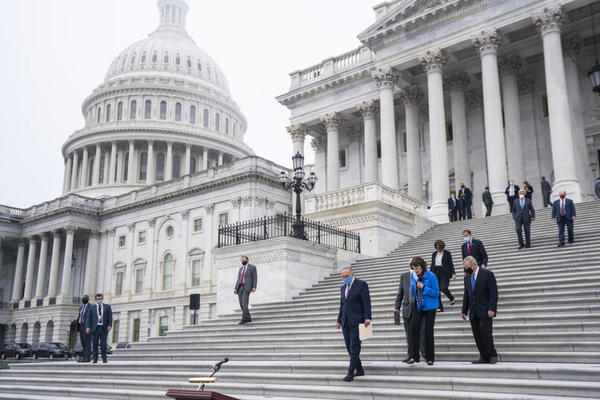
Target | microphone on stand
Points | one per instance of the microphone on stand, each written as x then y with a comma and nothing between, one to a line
223,361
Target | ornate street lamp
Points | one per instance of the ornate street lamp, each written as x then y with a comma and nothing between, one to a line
594,73
298,184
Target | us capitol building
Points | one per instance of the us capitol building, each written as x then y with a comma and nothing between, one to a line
438,92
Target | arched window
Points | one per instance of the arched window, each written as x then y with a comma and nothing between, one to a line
227,126
217,122
160,167
189,63
143,168
132,59
143,59
163,110
199,66
133,109
108,112
154,58
98,115
166,58
167,273
176,166
119,111
125,167
178,112
192,114
205,118
178,60
148,109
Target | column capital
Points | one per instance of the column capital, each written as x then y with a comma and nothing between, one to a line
331,120
457,82
384,78
487,42
94,234
44,236
131,227
56,233
297,132
150,142
526,83
151,222
433,60
112,231
368,109
317,144
32,238
188,146
550,20
411,95
185,214
474,99
209,208
510,65
70,229
572,44
170,143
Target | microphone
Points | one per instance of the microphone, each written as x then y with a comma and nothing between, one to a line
223,361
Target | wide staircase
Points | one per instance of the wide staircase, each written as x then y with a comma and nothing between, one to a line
547,334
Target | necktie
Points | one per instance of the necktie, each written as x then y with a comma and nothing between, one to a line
347,291
522,203
473,283
100,313
469,248
81,314
243,275
562,207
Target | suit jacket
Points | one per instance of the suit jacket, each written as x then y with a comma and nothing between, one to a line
250,279
467,196
452,204
447,264
357,307
485,297
546,188
404,295
91,321
525,214
486,196
507,192
81,326
477,251
569,209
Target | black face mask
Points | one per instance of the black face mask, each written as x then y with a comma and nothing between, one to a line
468,271
84,301
244,262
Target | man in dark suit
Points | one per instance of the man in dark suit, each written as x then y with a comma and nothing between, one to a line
563,213
546,190
480,302
98,323
524,214
466,195
512,193
355,309
486,196
475,248
452,207
84,337
405,300
244,285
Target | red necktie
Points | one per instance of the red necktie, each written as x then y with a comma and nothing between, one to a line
469,248
562,207
243,274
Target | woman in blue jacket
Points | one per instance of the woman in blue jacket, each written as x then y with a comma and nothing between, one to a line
425,293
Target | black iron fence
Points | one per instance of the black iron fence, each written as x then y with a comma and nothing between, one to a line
282,225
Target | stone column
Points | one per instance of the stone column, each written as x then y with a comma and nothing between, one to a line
561,138
113,163
150,168
386,80
83,179
204,159
131,178
509,68
106,167
188,157
487,43
17,293
412,96
69,167
457,84
572,45
89,285
332,124
30,268
96,171
320,163
41,275
75,168
433,62
120,166
297,134
220,159
169,162
368,110
53,284
65,287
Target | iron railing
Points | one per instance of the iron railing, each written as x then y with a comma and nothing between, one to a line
282,225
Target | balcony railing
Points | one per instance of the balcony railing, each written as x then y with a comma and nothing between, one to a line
287,226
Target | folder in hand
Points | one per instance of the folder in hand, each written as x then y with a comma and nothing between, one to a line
365,332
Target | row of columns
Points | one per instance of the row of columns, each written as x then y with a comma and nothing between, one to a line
114,163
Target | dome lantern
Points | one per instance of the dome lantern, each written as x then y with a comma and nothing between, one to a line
172,13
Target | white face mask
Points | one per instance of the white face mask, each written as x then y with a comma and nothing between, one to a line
521,196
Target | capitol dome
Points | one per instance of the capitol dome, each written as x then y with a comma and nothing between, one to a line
163,111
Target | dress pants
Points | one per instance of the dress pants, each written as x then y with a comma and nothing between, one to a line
521,225
99,337
452,215
409,344
415,331
352,339
488,210
482,332
86,342
444,281
562,221
244,298
547,201
467,212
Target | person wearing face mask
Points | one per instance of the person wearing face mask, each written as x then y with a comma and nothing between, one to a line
452,207
355,309
84,337
524,214
98,323
563,213
486,196
244,285
443,268
512,193
475,248
467,198
480,302
405,299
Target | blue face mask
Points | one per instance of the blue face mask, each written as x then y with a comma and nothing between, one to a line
466,239
348,280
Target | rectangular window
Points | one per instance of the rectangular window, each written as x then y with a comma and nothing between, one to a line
198,225
135,337
343,161
163,326
545,112
196,272
139,280
141,237
122,241
115,331
119,283
223,219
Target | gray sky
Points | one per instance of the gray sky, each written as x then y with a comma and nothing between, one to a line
55,52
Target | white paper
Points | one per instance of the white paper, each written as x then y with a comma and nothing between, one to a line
365,332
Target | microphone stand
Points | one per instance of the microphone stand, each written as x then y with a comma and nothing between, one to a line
216,369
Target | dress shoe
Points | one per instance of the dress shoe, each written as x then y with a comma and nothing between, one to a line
349,377
429,362
571,241
104,361
528,246
521,246
493,360
95,361
560,245
406,359
452,302
480,361
360,372
412,361
242,322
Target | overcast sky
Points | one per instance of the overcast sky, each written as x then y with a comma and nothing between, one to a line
55,52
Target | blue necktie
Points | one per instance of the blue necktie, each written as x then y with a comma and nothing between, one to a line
473,283
522,203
